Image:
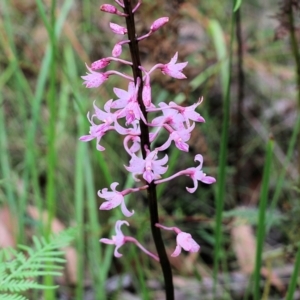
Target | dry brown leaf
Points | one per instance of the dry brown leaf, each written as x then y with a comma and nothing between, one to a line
244,246
7,228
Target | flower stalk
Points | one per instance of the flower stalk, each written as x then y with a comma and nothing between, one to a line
145,144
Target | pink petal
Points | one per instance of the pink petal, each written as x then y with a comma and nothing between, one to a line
116,253
107,241
199,158
177,251
125,211
182,146
165,145
86,138
118,225
192,190
113,186
108,205
148,176
208,180
159,170
174,59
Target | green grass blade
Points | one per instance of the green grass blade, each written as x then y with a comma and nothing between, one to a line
281,179
5,168
220,46
218,38
294,278
262,218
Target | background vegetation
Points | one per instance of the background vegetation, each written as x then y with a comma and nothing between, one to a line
243,63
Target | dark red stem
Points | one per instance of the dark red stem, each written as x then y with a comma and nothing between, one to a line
152,198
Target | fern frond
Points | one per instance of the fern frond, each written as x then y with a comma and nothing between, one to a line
13,297
17,274
17,286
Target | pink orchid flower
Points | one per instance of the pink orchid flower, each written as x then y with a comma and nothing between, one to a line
195,173
125,96
96,132
114,199
105,116
184,240
94,79
120,239
174,70
180,137
151,168
188,112
170,117
128,102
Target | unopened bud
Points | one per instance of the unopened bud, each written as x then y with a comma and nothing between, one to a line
117,28
100,64
159,23
108,8
117,50
146,95
112,10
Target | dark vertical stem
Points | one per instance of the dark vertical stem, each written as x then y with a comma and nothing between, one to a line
295,50
152,198
240,100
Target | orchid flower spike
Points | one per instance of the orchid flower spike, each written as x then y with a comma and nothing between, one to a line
184,240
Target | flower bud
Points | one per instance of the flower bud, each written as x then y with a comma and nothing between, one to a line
117,28
112,10
108,8
100,64
159,23
117,50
